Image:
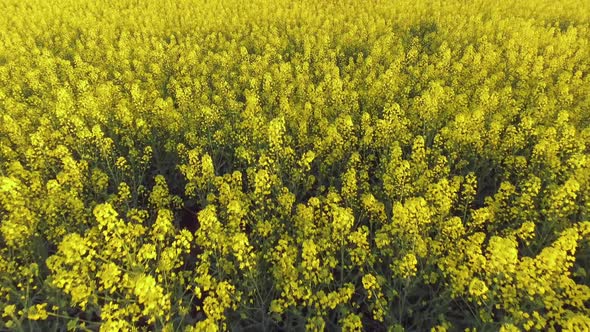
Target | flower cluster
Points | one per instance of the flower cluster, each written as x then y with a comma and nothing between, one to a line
284,165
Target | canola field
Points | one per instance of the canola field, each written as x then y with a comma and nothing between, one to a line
270,165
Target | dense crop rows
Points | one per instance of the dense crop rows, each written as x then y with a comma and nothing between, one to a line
202,165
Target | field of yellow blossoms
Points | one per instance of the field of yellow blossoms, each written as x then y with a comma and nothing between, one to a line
270,165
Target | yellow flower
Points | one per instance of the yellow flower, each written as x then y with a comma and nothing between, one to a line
502,255
306,160
38,312
577,322
115,325
163,226
478,288
351,322
151,295
147,252
311,262
9,311
369,282
407,266
343,220
122,164
509,328
109,275
242,250
439,328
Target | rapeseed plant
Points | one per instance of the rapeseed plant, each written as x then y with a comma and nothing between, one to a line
281,165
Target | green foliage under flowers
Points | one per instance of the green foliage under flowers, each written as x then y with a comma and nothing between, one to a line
190,165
